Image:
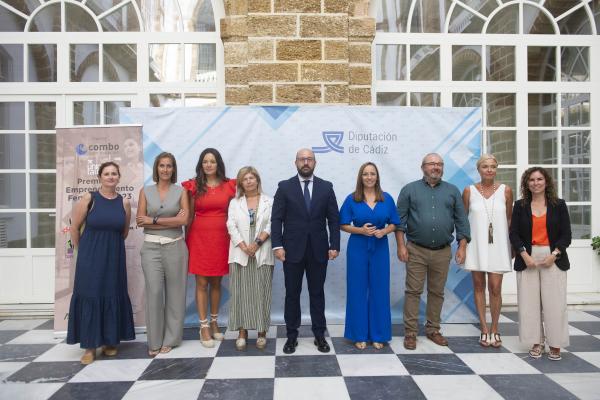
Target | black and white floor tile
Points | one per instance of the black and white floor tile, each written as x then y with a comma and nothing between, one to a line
35,365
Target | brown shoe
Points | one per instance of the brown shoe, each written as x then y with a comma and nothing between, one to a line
88,357
109,351
410,341
437,338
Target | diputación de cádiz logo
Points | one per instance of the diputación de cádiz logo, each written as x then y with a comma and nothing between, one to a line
333,141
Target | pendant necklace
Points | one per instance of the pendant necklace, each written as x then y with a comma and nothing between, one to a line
490,218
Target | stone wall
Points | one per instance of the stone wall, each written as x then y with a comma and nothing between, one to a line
297,51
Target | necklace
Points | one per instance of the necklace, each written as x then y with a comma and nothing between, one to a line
109,197
487,213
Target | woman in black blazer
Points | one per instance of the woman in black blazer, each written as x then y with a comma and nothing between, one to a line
540,233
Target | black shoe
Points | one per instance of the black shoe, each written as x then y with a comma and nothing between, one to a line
322,344
290,346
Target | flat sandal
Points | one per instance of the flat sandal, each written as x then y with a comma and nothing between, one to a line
536,351
496,340
484,340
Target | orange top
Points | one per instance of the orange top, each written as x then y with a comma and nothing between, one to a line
539,233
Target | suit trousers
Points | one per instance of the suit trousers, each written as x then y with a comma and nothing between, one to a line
165,274
542,298
316,273
424,264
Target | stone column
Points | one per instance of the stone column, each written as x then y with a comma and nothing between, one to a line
297,51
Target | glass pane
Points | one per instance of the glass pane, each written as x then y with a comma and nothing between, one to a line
391,99
119,63
161,15
541,63
425,99
123,19
12,115
47,20
197,15
26,7
200,99
576,184
78,19
501,109
429,16
542,109
535,21
100,6
557,8
165,63
12,229
84,63
463,21
466,99
484,7
166,100
11,22
42,115
392,16
500,63
200,63
12,151
12,190
42,230
11,62
508,176
466,63
503,144
390,62
42,62
543,147
575,64
575,109
505,21
42,192
425,63
111,111
42,151
86,113
577,23
581,221
576,147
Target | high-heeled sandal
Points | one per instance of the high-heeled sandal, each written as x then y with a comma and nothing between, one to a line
153,353
484,339
378,345
536,351
214,329
208,342
261,341
360,345
165,349
496,340
88,357
554,355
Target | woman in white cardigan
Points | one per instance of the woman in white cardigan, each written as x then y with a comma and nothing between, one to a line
250,259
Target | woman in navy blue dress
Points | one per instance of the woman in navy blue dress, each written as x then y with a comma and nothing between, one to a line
369,215
100,313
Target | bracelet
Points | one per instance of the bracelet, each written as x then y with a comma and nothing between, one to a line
155,220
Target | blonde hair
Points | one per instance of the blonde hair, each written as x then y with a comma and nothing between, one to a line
485,157
240,176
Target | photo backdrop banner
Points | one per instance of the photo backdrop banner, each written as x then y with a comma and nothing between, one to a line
395,138
79,153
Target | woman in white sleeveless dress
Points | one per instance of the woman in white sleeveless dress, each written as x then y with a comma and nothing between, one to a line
489,206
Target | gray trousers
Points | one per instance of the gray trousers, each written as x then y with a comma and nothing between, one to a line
165,274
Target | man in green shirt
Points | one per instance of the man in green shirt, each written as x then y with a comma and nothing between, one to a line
430,210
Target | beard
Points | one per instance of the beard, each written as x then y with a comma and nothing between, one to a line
305,171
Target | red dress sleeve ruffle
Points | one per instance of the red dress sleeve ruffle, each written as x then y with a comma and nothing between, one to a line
190,186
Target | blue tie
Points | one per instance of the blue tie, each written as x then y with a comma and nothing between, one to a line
307,194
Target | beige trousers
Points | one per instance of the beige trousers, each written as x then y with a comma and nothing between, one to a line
431,265
542,298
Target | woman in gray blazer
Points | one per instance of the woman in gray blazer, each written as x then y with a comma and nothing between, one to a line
162,211
251,260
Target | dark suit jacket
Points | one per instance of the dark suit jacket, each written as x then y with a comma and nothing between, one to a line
558,226
292,226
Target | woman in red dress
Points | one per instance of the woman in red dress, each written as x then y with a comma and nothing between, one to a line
207,237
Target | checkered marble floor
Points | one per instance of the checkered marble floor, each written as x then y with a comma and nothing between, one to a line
34,365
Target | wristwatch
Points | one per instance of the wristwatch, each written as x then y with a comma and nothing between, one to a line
522,249
556,253
258,241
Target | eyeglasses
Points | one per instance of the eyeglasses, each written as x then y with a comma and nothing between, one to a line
434,164
305,159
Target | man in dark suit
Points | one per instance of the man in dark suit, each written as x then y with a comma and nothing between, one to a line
303,208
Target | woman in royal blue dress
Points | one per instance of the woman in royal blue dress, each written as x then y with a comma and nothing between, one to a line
369,215
100,313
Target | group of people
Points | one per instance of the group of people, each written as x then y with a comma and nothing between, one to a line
212,226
